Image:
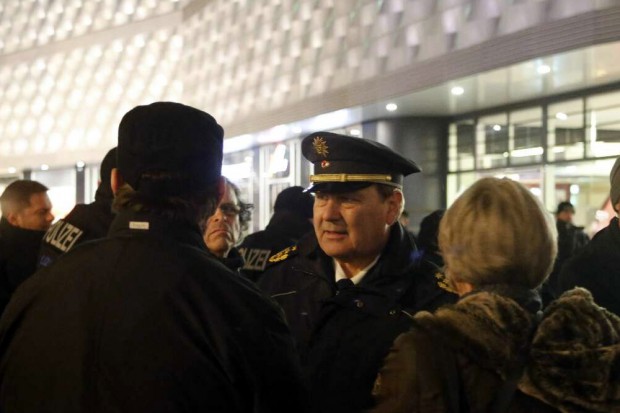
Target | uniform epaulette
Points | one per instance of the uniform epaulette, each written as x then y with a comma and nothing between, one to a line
442,282
283,255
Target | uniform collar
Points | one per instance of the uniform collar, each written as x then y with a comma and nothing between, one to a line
140,224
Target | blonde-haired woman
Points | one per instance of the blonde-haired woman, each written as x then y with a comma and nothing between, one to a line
494,351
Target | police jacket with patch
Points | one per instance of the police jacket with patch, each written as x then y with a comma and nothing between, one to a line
284,229
18,257
85,222
145,321
597,268
343,336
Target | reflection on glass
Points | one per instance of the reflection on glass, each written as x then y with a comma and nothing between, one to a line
492,141
603,125
566,132
461,146
527,136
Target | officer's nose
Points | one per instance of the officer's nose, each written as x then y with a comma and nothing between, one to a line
331,210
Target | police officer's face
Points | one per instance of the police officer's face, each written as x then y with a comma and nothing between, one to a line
353,227
223,228
37,216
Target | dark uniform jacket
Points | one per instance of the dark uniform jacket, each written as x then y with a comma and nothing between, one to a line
145,321
18,257
285,228
343,336
85,222
571,366
571,239
597,268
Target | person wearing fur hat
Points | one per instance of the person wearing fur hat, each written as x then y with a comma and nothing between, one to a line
494,350
85,222
291,219
597,266
146,319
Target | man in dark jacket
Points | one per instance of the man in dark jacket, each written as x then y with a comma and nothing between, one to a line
85,222
292,218
348,289
597,267
26,215
146,320
571,239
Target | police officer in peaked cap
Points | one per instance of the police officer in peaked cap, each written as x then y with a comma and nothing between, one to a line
348,287
147,320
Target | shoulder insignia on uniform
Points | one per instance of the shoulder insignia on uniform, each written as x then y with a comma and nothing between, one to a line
282,255
442,282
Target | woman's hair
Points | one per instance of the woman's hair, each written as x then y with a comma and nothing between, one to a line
497,232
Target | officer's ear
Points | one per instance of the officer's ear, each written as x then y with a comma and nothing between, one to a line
395,206
116,180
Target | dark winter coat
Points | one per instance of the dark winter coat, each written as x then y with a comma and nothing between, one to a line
597,268
18,257
343,336
572,366
145,321
571,239
85,222
284,229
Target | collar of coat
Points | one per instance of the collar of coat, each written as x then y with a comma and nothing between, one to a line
140,224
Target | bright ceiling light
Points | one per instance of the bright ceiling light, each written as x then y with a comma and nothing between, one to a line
561,116
543,69
45,167
497,128
355,132
391,107
457,90
80,164
12,169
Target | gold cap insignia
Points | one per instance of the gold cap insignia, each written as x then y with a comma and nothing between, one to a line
282,255
320,146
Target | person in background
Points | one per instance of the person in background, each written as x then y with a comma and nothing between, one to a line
146,320
571,239
494,350
291,219
26,215
223,229
348,287
85,222
427,239
597,266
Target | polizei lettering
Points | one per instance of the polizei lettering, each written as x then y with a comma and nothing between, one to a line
63,235
255,259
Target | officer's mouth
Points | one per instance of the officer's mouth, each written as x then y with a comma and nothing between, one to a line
334,235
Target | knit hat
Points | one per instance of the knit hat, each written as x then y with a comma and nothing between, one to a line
614,180
168,137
